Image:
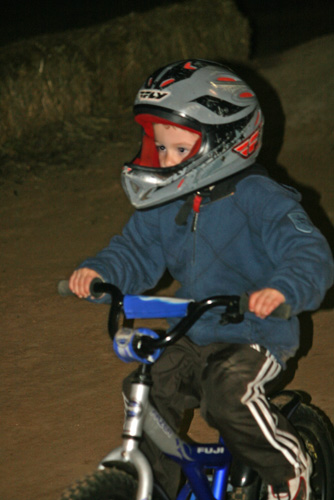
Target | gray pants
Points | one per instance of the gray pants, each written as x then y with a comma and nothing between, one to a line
229,383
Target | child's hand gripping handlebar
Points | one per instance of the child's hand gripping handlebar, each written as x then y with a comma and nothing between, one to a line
145,345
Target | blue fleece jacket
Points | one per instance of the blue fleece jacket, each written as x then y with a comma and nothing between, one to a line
257,236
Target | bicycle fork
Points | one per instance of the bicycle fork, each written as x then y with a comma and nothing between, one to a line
129,451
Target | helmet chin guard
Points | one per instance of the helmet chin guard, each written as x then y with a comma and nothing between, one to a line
203,97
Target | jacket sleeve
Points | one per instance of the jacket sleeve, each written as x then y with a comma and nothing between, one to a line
134,260
302,259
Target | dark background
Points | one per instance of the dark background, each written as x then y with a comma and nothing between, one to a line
277,24
60,382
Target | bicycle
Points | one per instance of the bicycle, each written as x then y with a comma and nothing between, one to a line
209,469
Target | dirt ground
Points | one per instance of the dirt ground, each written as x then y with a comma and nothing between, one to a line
60,389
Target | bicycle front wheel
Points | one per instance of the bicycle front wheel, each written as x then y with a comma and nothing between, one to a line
103,485
109,484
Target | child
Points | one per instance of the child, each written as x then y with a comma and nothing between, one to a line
220,225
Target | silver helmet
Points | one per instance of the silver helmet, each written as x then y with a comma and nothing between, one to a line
204,97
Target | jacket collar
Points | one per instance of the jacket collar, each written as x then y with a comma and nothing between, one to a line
217,191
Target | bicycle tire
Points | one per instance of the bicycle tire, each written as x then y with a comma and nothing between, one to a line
108,484
316,432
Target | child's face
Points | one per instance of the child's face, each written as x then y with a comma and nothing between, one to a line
173,143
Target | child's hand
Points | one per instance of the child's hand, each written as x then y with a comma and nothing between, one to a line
263,302
80,281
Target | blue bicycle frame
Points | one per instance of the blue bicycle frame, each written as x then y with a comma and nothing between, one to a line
212,456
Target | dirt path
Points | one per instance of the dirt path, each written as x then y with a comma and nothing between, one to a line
60,390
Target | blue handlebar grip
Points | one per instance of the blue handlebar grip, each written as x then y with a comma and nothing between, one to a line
142,306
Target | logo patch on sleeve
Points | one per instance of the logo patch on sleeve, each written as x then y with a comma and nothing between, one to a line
301,222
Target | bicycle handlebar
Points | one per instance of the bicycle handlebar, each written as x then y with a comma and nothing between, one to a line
65,291
235,307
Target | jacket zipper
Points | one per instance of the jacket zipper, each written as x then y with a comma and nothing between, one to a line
196,208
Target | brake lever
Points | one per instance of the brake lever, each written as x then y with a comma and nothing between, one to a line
232,313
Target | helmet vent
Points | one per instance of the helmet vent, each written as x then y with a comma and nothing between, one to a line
167,82
226,79
189,65
178,72
246,94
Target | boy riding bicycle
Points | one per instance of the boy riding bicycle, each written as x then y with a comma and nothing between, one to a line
214,218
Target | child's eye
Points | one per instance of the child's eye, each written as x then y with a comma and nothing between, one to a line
160,147
182,150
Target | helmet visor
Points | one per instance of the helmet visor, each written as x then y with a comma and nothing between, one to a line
163,141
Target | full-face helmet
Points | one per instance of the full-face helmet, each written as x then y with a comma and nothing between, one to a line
203,97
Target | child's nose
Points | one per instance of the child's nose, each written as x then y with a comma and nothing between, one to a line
170,159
